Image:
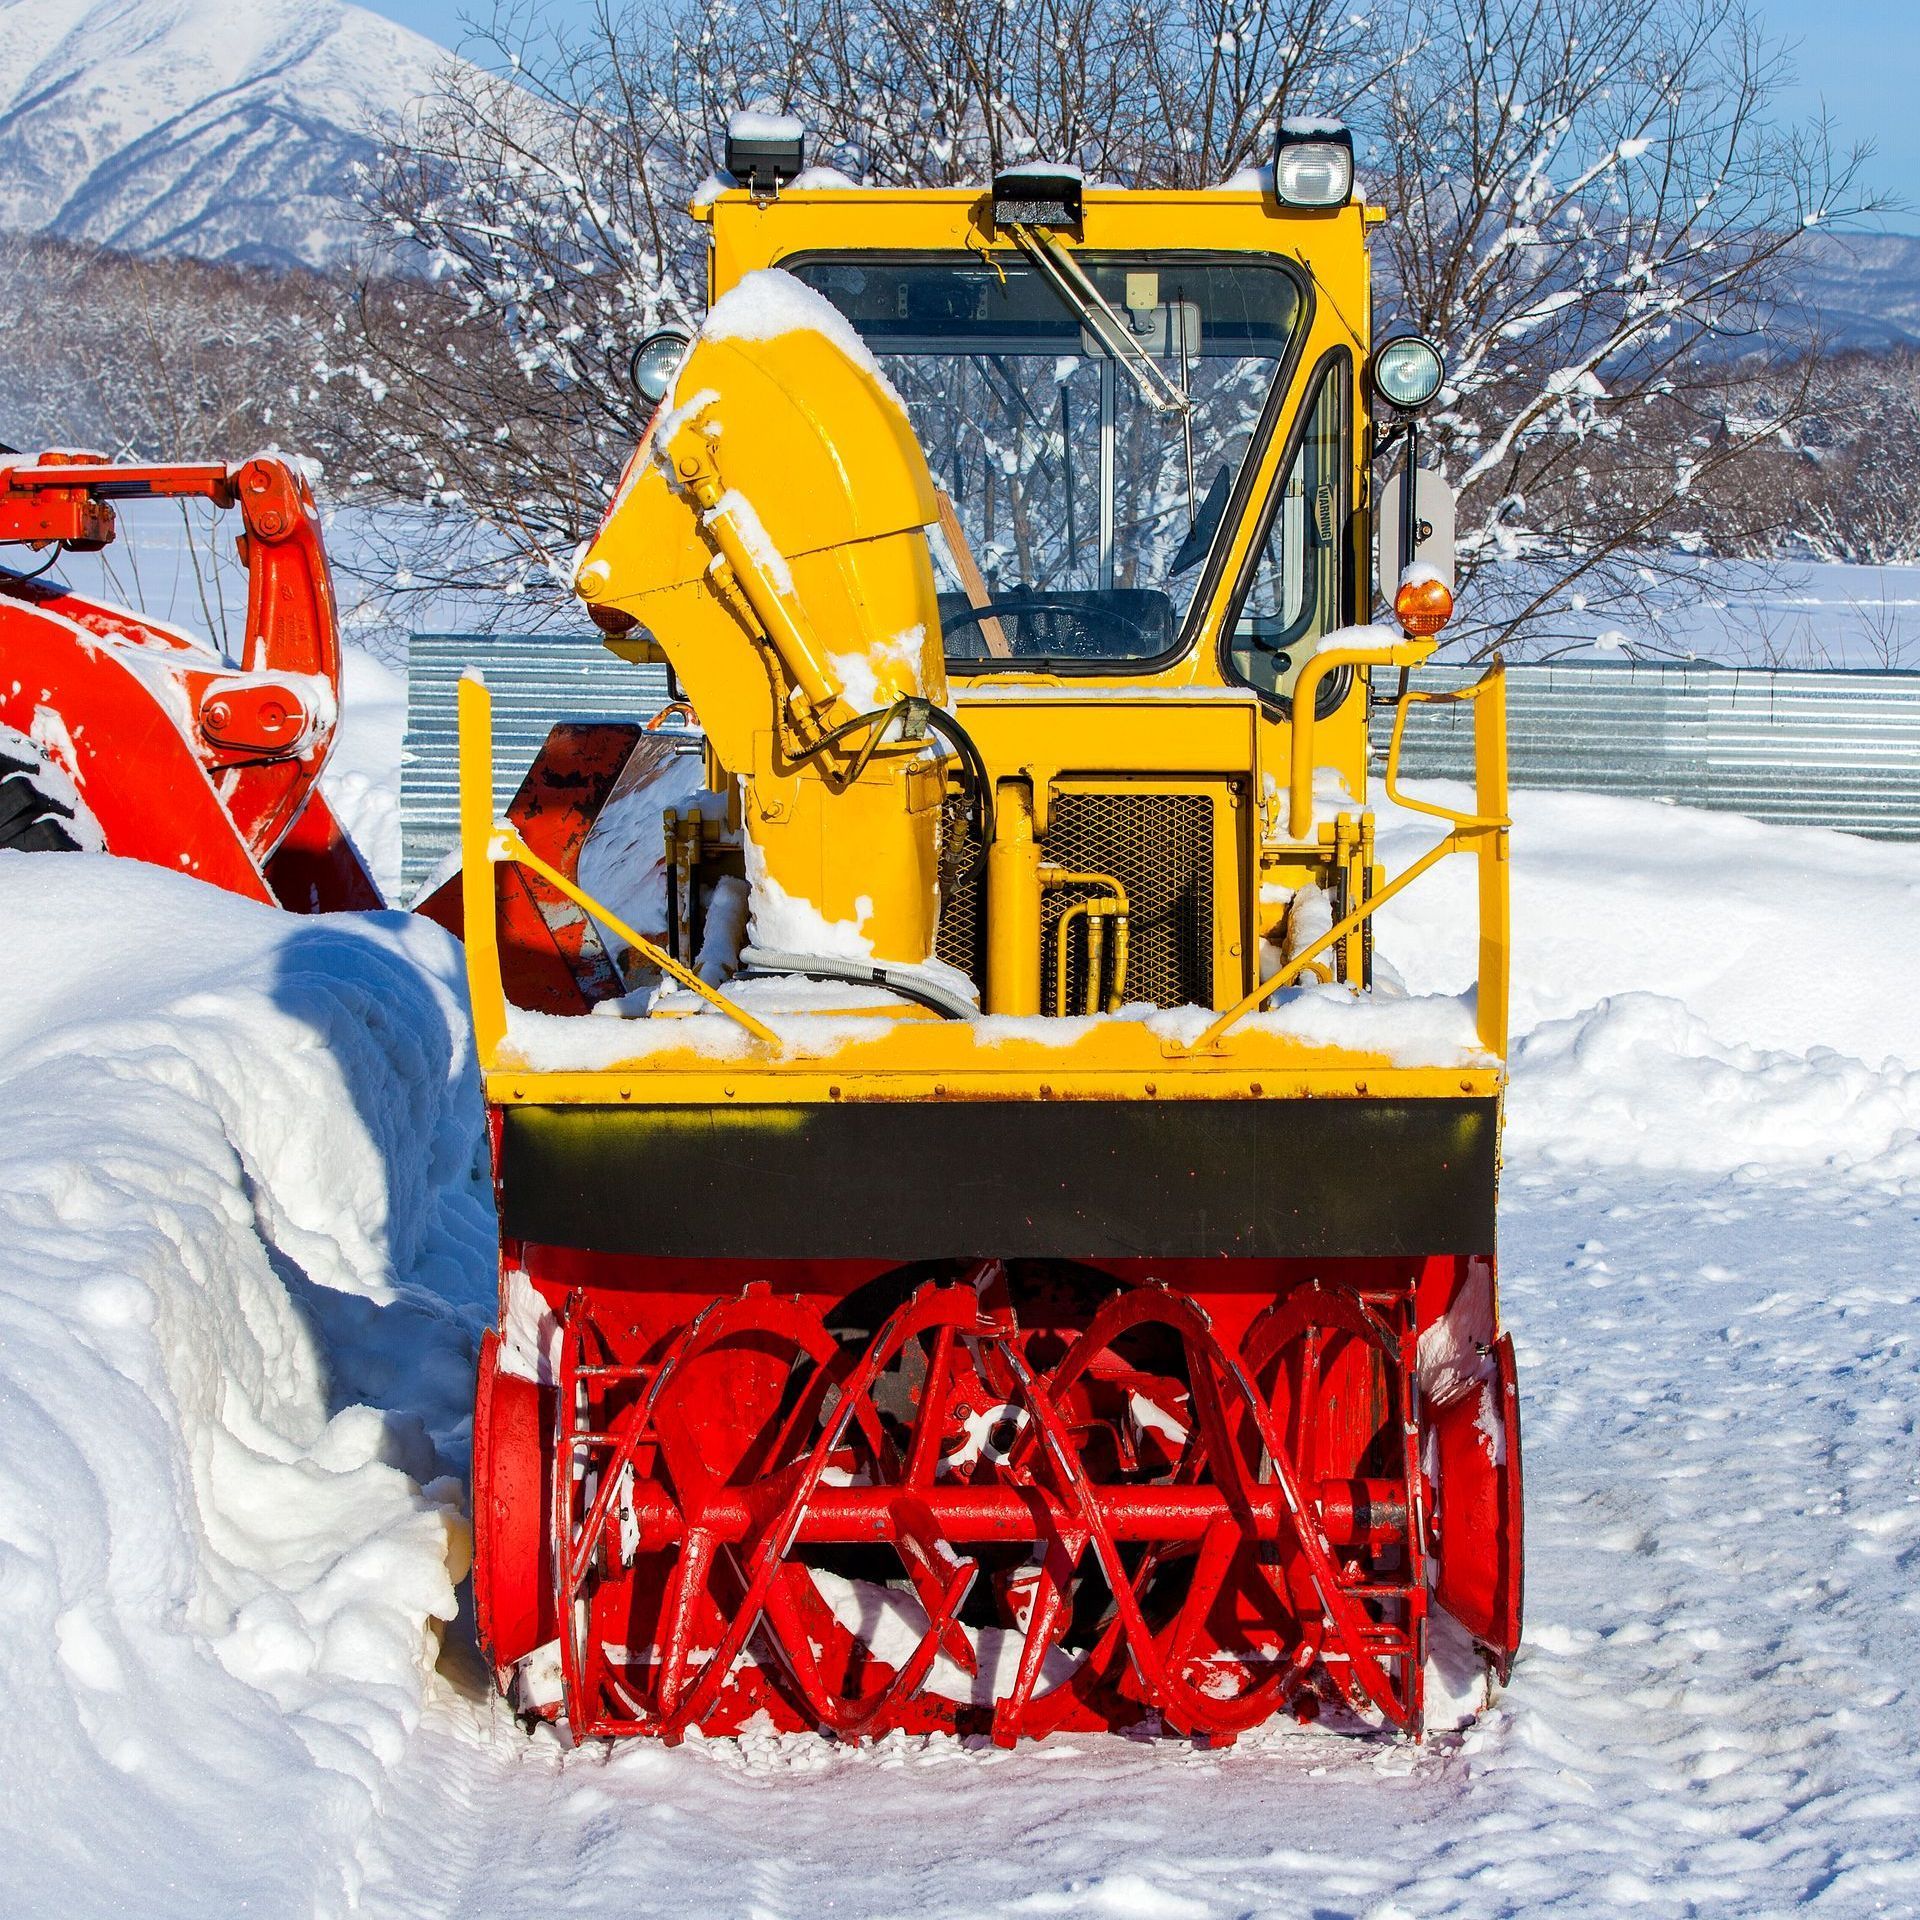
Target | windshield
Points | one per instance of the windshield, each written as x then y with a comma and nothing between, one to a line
1081,487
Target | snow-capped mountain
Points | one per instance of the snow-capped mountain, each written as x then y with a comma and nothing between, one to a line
222,128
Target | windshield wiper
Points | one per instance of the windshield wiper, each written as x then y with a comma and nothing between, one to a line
1063,273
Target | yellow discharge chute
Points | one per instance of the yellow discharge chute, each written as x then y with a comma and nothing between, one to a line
771,538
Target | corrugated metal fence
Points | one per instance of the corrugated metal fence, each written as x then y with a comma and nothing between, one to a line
1809,749
534,682
1832,749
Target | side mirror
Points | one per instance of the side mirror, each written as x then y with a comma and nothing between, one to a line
1413,525
1415,545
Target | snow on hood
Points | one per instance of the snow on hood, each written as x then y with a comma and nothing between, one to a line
769,302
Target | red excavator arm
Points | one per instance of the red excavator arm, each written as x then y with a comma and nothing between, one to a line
182,758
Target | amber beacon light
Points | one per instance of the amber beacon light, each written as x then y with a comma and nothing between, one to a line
1424,602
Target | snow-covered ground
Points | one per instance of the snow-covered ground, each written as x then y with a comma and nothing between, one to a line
244,1256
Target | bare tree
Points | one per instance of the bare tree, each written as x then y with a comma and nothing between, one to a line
1591,207
151,359
1846,484
1596,213
532,229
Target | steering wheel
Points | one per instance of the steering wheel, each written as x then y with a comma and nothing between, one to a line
1089,613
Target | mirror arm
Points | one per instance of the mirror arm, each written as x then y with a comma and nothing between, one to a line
1410,497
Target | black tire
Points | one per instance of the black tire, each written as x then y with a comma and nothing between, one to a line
33,816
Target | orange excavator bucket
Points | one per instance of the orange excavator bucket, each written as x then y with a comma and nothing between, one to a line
122,733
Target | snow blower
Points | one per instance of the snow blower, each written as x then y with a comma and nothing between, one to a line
987,1243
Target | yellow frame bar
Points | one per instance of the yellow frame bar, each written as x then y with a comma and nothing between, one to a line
1486,831
1306,689
485,841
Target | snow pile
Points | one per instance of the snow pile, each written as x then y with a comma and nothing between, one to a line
1691,990
765,304
1433,1029
783,922
750,123
1778,937
242,1259
1641,1081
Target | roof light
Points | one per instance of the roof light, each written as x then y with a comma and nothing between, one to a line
1407,372
1313,163
1039,194
765,150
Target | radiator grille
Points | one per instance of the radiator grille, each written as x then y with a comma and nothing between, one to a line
962,940
1159,846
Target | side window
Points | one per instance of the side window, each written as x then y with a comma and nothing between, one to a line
1296,593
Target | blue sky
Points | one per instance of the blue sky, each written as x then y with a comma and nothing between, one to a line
1861,60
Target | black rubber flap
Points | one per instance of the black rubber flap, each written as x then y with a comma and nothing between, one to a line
974,1179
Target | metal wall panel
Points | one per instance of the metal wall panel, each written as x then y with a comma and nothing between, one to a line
535,680
1835,749
1839,749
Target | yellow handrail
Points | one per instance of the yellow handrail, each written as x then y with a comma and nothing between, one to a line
485,840
1390,783
1306,689
1485,832
508,845
1451,843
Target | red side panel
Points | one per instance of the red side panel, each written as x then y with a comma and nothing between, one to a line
317,869
551,960
114,735
1480,1517
513,1577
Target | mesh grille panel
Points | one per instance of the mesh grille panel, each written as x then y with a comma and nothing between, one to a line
962,939
1159,846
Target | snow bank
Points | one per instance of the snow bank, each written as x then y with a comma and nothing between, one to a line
1777,937
1641,1081
1692,990
242,1261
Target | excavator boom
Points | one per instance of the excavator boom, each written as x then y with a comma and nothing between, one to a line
170,752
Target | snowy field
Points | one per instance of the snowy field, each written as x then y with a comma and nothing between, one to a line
1816,615
245,1255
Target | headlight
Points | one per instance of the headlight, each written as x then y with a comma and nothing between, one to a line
765,150
1407,372
1038,194
655,361
1313,163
